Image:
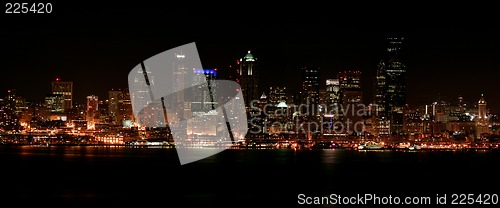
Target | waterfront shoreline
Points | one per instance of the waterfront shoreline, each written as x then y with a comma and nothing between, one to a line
255,148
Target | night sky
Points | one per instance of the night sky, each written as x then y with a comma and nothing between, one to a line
448,52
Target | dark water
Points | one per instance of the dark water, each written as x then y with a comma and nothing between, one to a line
140,177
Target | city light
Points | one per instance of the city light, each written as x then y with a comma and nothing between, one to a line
331,112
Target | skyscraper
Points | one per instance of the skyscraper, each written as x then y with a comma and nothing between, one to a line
64,88
482,118
9,119
248,77
114,98
333,98
125,111
352,101
178,84
332,102
92,110
120,107
204,96
309,93
141,94
390,93
395,74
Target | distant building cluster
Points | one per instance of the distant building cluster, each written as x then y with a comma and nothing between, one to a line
337,109
57,111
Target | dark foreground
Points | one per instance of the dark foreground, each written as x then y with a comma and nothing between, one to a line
149,177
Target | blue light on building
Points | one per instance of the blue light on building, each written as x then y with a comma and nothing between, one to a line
212,72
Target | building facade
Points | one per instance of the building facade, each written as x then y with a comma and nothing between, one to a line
65,89
248,78
390,89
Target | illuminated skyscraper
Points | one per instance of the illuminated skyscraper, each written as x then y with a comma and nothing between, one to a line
390,93
151,113
120,107
352,100
204,95
92,110
10,100
114,98
66,90
333,99
309,92
482,119
9,119
178,83
203,104
332,103
248,77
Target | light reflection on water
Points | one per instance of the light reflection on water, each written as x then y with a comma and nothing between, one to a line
120,173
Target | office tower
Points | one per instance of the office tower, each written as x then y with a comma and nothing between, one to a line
64,88
114,97
390,92
203,105
10,100
120,106
178,84
333,97
151,113
332,113
248,77
352,101
125,111
9,119
309,91
92,110
204,95
482,119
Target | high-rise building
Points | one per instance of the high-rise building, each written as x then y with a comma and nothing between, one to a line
115,96
92,110
309,93
125,112
178,84
204,95
151,112
333,99
10,100
395,74
9,119
119,106
64,88
380,91
248,77
352,101
390,93
482,119
104,112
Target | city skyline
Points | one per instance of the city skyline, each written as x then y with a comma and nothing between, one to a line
446,55
293,86
337,110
